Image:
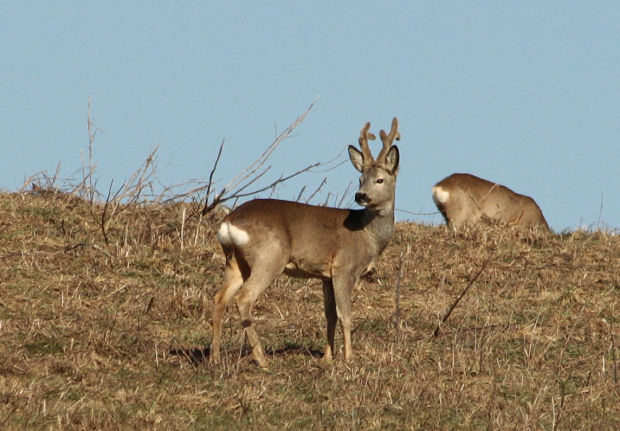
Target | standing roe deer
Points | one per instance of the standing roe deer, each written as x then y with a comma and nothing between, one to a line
266,237
466,199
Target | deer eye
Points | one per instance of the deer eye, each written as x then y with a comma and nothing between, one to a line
379,180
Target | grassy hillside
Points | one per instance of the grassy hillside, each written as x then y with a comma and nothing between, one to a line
113,335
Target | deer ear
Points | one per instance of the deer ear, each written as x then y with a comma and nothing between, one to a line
356,158
391,160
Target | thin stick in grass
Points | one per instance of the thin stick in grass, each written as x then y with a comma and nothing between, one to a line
458,299
401,265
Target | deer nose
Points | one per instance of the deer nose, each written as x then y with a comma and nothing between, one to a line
361,198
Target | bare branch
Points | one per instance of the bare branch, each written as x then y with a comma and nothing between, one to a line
458,299
318,189
418,214
236,188
401,265
243,175
103,223
251,181
300,194
344,194
273,184
329,194
217,160
87,189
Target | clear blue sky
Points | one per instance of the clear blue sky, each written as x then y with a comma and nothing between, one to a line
519,92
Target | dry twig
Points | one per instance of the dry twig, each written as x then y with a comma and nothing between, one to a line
235,189
458,299
401,265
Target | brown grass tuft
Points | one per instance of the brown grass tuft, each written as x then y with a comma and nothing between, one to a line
115,336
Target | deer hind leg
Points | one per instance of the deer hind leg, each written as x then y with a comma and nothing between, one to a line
343,289
262,275
233,280
332,317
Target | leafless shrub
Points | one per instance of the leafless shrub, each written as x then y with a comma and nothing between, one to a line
240,186
128,194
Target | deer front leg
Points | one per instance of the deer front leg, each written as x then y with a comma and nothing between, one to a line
343,289
331,317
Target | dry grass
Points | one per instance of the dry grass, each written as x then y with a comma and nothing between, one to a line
114,336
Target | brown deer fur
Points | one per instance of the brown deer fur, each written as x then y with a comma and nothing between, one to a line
266,237
466,199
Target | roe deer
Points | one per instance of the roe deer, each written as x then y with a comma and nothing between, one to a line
466,199
266,237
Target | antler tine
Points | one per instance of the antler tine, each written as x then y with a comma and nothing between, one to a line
365,135
388,140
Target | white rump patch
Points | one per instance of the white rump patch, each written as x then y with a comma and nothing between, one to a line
440,196
230,234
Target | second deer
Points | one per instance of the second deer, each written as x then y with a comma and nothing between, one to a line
264,238
466,199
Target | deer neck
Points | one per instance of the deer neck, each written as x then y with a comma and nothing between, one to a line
379,223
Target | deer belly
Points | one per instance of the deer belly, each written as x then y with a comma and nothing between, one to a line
306,269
